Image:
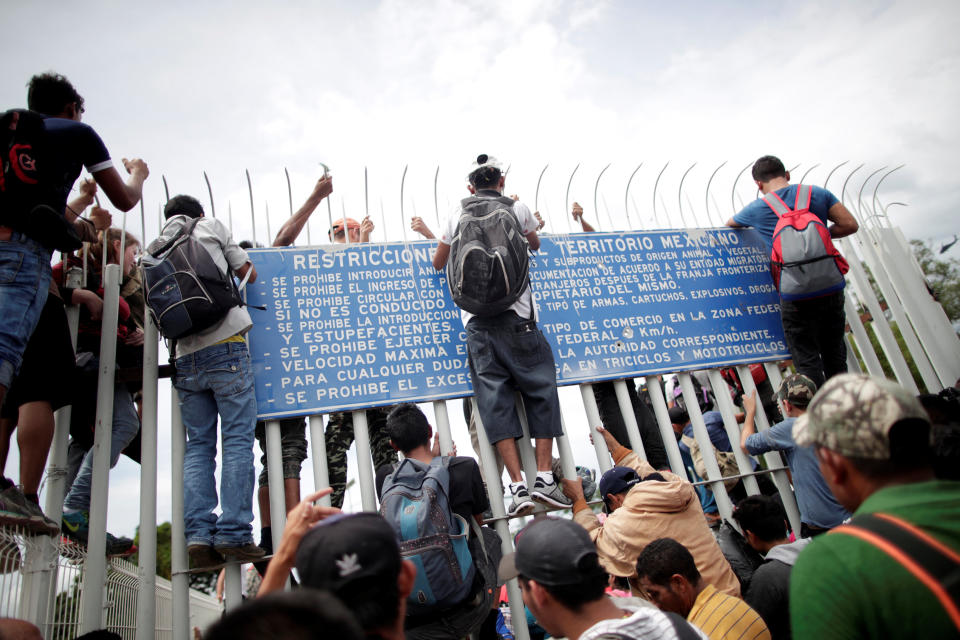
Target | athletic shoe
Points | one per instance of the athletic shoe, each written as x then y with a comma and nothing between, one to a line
241,553
521,500
549,494
203,556
76,525
18,511
119,547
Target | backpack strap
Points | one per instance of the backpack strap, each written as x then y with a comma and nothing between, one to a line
774,202
185,230
930,561
803,197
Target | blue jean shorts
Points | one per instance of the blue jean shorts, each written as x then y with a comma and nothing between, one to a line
24,283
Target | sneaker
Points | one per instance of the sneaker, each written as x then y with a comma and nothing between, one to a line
76,525
17,511
119,547
203,556
549,494
521,501
240,553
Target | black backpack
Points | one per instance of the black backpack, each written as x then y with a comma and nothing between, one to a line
185,290
29,199
488,266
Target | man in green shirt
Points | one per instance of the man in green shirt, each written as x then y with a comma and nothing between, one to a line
872,578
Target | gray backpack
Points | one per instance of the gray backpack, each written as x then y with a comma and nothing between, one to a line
488,266
415,501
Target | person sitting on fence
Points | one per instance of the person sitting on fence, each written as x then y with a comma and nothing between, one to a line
564,585
670,579
126,422
214,378
892,570
819,509
293,439
507,352
410,434
354,556
305,614
764,525
643,504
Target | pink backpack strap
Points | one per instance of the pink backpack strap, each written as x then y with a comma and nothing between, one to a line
803,197
774,202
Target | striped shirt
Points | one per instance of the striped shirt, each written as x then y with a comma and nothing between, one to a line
724,617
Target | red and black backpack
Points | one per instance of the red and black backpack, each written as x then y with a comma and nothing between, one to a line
804,262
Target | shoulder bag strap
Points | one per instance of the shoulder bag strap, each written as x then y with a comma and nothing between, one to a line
774,202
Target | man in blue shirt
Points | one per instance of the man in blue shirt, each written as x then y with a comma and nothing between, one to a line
819,509
813,328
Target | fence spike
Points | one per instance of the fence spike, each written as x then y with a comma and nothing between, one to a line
860,194
683,218
656,218
596,209
626,196
733,189
213,208
166,190
706,194
807,172
326,172
403,217
536,195
566,200
876,190
253,217
832,171
436,204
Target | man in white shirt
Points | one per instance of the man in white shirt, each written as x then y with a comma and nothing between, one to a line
508,353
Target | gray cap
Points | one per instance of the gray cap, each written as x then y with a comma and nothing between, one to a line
852,414
552,551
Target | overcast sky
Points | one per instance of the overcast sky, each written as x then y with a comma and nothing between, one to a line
226,86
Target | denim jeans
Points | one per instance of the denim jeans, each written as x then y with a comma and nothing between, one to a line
24,282
508,353
126,424
218,380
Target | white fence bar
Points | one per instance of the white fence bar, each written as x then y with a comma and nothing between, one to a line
318,448
232,587
726,408
655,390
604,461
443,426
147,570
724,505
528,459
629,418
178,541
361,436
773,458
95,569
859,333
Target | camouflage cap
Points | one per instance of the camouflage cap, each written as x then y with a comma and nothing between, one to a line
797,389
852,415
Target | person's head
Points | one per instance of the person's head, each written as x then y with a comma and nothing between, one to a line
795,393
763,522
485,173
867,433
304,614
617,482
111,239
558,569
768,169
669,576
408,428
52,95
183,205
336,234
679,418
357,558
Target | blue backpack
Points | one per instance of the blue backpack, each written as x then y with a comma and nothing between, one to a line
415,501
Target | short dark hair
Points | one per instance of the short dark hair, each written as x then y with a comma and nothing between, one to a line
589,589
408,427
910,450
304,614
767,168
50,93
183,205
485,178
374,601
763,516
663,558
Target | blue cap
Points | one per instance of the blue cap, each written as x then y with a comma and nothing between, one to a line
618,480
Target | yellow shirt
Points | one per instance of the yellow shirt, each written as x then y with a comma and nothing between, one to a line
724,617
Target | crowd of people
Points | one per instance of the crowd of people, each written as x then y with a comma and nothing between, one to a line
876,554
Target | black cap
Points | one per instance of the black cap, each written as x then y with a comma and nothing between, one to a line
552,551
183,206
678,415
348,547
617,480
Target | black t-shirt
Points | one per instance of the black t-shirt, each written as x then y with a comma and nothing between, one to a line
73,145
467,496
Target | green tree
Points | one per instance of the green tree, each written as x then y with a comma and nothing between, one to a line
205,582
943,277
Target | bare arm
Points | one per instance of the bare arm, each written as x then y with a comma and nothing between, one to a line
534,240
242,272
288,233
844,224
577,214
124,195
418,225
299,520
443,252
749,427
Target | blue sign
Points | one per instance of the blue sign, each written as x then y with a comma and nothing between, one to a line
356,326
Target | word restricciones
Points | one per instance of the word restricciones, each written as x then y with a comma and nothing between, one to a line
358,326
